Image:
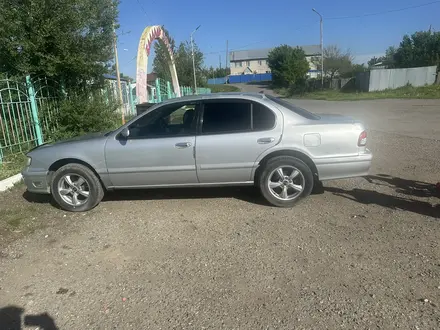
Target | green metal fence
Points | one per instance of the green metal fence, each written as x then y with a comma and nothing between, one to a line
28,105
162,90
110,94
19,123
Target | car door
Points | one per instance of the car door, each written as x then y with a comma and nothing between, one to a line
232,134
158,151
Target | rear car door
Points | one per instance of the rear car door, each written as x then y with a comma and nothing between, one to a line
232,134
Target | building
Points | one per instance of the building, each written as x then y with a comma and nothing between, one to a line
255,61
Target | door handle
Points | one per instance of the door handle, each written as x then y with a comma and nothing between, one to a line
265,140
182,145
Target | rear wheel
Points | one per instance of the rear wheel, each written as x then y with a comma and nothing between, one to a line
285,180
76,188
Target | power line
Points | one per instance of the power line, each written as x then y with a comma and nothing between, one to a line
130,60
149,21
142,8
302,27
384,12
338,18
257,42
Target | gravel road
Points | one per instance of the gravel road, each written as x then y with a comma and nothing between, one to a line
363,254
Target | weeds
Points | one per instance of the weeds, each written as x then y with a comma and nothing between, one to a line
11,165
223,88
407,92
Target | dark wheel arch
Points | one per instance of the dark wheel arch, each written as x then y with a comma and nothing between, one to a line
297,154
61,162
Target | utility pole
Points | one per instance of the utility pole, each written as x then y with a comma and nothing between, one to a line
226,58
220,61
322,48
194,63
115,47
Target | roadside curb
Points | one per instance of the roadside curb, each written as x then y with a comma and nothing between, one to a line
10,182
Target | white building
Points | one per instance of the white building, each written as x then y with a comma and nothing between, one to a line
255,61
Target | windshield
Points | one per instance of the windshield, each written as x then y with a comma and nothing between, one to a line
300,111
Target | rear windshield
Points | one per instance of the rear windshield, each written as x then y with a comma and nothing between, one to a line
300,111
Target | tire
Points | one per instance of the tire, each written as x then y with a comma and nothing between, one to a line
76,180
302,176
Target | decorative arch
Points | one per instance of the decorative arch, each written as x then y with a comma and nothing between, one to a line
150,34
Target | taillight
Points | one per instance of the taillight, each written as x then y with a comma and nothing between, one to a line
362,141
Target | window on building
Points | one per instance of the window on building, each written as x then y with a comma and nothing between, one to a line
238,64
248,63
260,62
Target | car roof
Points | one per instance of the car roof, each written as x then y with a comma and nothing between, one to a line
214,96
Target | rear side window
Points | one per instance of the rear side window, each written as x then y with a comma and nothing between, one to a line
263,118
224,117
235,116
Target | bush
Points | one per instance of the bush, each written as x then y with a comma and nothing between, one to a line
299,87
81,114
308,85
288,66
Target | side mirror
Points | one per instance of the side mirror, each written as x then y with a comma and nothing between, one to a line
125,133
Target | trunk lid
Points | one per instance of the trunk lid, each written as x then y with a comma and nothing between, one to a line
335,119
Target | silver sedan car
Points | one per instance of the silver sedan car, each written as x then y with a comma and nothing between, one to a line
204,141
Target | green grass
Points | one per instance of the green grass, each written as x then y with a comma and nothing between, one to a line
11,165
22,213
223,88
407,92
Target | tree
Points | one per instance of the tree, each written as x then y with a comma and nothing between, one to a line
389,57
112,71
387,60
289,65
183,61
62,39
162,57
357,68
420,49
375,60
336,61
217,72
184,65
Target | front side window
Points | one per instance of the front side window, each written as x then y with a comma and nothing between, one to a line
235,117
166,121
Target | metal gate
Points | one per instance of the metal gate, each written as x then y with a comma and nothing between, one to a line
24,104
19,128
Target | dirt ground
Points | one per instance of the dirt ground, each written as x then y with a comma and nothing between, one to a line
364,254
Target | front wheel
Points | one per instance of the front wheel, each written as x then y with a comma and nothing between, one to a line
285,180
76,188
